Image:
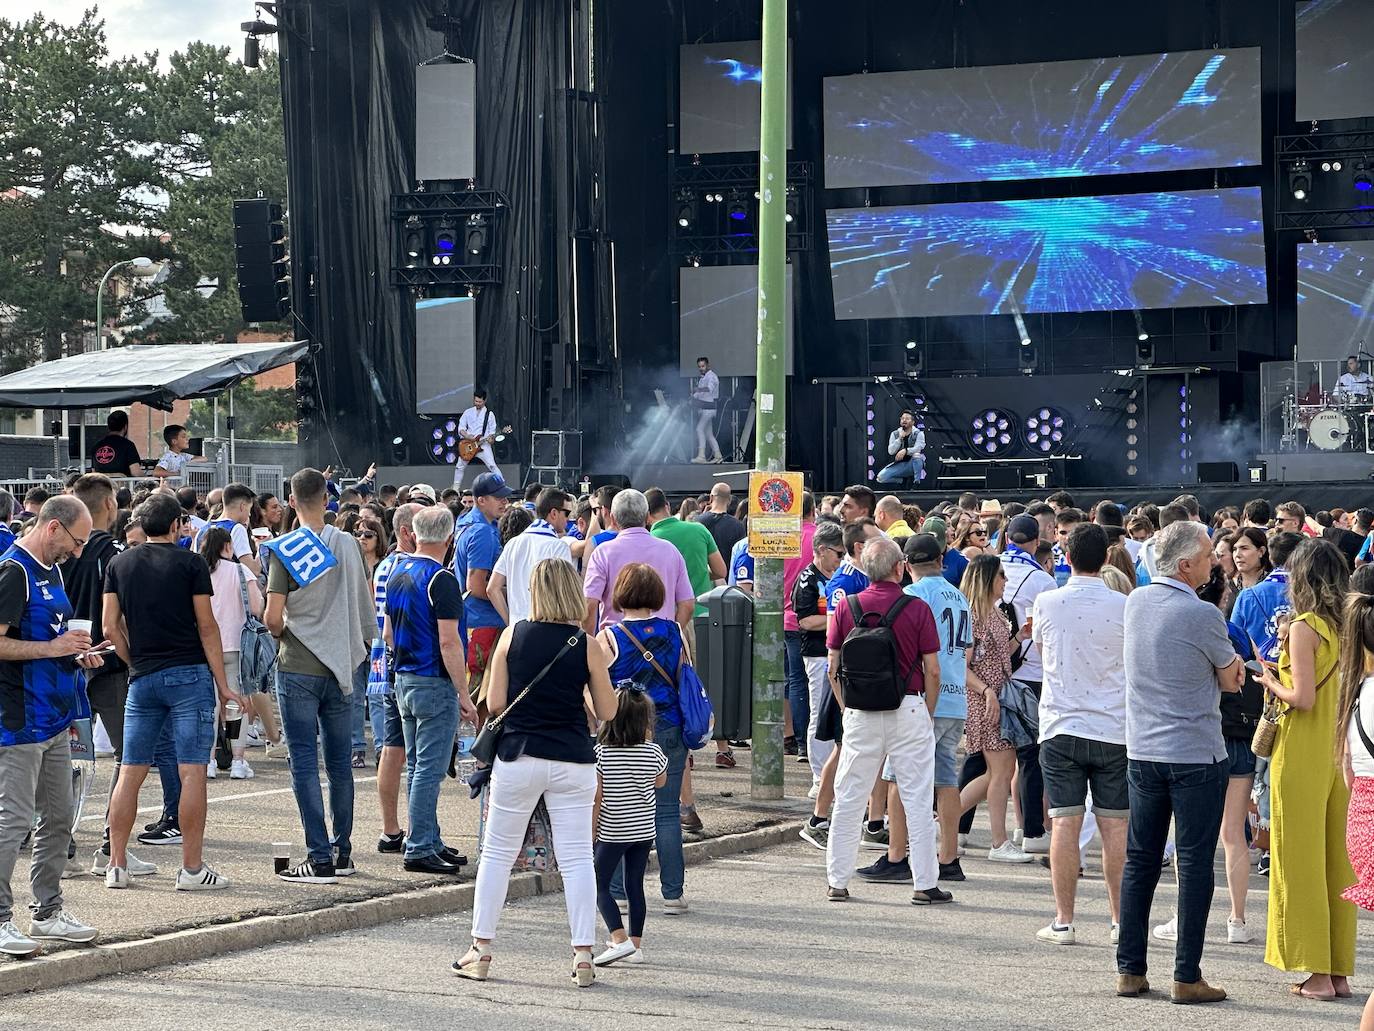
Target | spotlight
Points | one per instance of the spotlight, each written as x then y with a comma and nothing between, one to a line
1046,430
913,359
793,203
443,442
400,454
1144,351
1299,180
992,432
476,235
694,260
1362,181
911,345
1140,333
445,244
738,210
414,242
686,209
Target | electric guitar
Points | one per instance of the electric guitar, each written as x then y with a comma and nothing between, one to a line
467,449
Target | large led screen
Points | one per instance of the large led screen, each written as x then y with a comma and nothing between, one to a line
1335,299
718,316
1335,77
445,354
720,93
1144,250
1109,116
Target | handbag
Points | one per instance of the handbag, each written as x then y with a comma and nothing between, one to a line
484,747
257,648
1267,732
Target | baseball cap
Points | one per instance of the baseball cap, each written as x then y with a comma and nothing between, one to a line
489,485
935,526
1023,528
922,548
423,492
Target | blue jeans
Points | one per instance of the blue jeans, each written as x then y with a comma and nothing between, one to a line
429,721
1194,794
798,690
912,469
311,704
672,868
360,706
165,759
376,716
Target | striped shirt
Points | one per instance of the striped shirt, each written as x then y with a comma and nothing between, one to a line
627,778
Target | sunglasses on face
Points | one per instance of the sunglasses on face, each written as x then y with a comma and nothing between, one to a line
365,535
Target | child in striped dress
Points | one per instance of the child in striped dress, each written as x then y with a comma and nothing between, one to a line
629,766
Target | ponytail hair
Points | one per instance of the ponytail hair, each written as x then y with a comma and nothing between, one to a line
1357,650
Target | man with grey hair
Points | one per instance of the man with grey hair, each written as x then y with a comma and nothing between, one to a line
424,604
1179,659
884,615
633,543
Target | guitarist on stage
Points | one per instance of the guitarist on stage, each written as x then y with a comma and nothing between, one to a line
476,426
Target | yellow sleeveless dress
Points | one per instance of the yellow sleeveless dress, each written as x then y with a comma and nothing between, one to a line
1311,928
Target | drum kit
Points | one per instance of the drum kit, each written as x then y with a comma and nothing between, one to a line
1330,421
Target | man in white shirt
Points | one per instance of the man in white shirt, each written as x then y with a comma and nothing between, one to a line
1026,581
1079,630
509,587
906,447
238,505
1355,384
175,458
477,423
704,396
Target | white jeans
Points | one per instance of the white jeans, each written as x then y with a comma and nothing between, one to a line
818,684
568,790
907,737
706,434
484,456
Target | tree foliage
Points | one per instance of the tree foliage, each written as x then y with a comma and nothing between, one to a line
265,414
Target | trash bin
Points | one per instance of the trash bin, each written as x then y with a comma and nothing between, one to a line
725,660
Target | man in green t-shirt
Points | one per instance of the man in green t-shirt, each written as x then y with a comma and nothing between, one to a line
705,568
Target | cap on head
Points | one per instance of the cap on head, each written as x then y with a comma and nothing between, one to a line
423,492
935,526
489,485
1024,528
922,548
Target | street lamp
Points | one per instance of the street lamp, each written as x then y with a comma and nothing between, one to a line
143,265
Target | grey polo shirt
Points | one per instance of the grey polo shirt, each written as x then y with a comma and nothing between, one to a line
1175,643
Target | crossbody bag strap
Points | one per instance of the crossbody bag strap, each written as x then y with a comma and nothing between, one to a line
648,656
243,592
1359,726
496,721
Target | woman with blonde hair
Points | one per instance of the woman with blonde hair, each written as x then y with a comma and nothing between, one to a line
543,672
1311,926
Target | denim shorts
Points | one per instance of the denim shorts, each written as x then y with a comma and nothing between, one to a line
392,734
1240,760
1071,764
180,697
948,731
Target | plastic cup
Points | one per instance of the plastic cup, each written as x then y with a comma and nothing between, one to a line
281,856
80,626
232,711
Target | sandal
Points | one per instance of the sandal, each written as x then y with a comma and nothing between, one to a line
1301,990
584,969
475,964
360,760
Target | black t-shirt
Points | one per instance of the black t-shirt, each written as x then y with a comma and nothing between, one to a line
114,455
155,584
808,599
85,580
725,528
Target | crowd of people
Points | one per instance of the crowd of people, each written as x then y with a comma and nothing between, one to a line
1080,672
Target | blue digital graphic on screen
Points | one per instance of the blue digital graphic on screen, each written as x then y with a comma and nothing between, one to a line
1113,253
1335,74
1335,299
1109,116
719,96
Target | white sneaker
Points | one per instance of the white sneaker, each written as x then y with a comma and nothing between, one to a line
699,460
74,868
1167,932
211,770
963,841
14,942
240,770
1056,935
1008,852
1237,933
614,952
1036,846
1116,934
1018,836
62,927
116,877
675,907
205,880
813,792
100,862
256,736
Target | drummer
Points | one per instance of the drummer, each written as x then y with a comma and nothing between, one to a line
1355,384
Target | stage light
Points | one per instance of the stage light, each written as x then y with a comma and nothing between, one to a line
694,260
992,432
1299,181
476,235
400,454
1046,430
686,209
1144,352
1140,333
414,242
445,245
911,345
738,211
793,205
443,442
1362,180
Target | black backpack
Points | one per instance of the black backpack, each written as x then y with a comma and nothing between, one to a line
870,671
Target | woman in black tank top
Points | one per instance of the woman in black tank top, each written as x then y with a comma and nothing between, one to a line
545,751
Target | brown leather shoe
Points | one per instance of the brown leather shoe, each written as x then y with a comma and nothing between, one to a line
1198,991
1131,985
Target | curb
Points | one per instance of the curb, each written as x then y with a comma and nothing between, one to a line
79,965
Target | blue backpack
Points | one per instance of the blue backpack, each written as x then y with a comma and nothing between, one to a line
698,718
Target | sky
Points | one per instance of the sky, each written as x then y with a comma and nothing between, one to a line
136,26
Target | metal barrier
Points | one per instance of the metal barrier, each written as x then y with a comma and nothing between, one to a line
203,476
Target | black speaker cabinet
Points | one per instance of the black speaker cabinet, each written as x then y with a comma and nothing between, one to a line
1217,472
1004,477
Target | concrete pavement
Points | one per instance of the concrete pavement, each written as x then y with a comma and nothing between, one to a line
760,948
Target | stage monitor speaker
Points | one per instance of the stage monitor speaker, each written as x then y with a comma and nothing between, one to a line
446,121
445,354
1217,472
1003,477
556,449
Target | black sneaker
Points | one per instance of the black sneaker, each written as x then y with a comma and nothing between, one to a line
392,843
1262,868
343,864
163,833
886,870
952,871
930,897
310,873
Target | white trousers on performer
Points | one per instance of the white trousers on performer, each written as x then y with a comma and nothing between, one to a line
818,687
907,737
484,456
706,434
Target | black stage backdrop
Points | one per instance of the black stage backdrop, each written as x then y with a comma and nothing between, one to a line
350,127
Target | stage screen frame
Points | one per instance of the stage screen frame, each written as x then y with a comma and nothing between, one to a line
1335,53
1335,300
718,317
720,91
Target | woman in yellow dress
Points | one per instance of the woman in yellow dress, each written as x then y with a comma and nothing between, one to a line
1311,927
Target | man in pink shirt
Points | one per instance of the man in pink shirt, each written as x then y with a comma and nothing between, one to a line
798,711
629,511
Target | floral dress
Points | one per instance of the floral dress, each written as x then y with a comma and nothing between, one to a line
991,664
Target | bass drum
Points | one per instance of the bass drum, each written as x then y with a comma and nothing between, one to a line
1329,430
